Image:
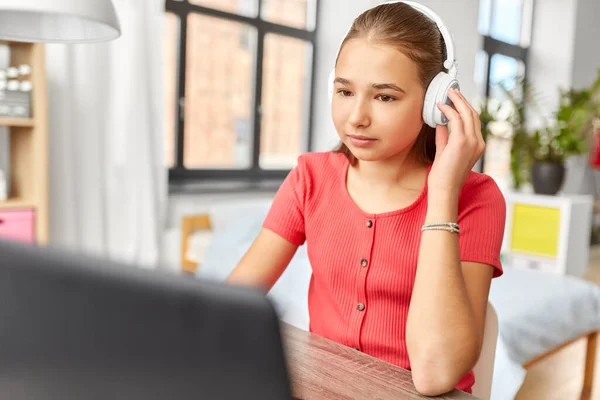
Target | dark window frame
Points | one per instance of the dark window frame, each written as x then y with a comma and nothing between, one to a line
179,175
493,46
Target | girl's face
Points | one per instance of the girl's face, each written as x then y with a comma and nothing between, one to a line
377,100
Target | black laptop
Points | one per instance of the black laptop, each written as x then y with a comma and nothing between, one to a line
75,327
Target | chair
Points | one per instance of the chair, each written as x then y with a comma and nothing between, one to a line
484,368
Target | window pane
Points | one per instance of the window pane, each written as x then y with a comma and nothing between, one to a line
219,88
295,13
506,20
503,70
171,44
248,8
285,101
485,8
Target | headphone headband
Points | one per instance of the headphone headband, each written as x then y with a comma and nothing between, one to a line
437,89
450,62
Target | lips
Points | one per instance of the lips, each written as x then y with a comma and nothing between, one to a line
360,137
361,141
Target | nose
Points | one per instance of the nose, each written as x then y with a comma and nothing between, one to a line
360,115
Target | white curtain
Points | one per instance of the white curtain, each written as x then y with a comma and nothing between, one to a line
107,178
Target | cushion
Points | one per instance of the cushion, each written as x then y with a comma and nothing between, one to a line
224,214
537,312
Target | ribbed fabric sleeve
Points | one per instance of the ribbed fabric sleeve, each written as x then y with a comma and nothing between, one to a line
286,215
482,218
364,265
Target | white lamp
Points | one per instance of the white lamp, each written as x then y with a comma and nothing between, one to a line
58,21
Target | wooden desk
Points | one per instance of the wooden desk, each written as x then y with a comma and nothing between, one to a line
325,370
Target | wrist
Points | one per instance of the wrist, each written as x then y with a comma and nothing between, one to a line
445,193
442,206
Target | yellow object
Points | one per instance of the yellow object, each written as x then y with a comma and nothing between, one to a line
535,230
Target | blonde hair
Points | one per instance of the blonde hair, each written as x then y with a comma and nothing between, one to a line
417,37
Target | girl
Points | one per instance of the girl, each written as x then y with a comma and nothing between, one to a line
403,238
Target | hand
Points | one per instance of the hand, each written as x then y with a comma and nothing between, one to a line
457,152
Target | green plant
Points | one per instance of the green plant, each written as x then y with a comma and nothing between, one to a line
486,115
554,141
576,112
520,97
567,137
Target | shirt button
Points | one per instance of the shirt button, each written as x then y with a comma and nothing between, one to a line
364,262
360,306
369,223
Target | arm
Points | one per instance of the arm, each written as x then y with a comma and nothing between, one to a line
447,310
264,262
446,318
281,234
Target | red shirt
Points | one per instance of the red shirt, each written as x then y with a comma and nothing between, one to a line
364,265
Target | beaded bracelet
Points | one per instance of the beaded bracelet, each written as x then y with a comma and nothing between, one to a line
444,226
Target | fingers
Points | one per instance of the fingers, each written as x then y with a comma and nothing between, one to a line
464,118
441,139
455,121
474,113
464,109
476,123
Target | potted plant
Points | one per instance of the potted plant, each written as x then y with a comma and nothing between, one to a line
540,155
551,145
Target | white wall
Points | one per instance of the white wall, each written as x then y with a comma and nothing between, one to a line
551,51
586,54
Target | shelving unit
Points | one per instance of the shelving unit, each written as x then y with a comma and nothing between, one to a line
17,122
29,144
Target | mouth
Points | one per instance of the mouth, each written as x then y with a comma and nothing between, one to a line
361,141
361,137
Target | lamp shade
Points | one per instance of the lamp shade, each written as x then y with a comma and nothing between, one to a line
58,21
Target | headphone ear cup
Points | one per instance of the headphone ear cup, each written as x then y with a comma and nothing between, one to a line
437,92
330,84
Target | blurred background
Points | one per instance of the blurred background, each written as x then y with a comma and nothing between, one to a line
165,147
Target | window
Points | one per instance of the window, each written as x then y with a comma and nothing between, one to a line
506,29
503,71
238,88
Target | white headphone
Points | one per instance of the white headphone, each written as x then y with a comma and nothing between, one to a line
437,91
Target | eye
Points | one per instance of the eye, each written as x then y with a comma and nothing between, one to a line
385,98
344,92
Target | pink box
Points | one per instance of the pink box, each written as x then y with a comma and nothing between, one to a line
18,225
